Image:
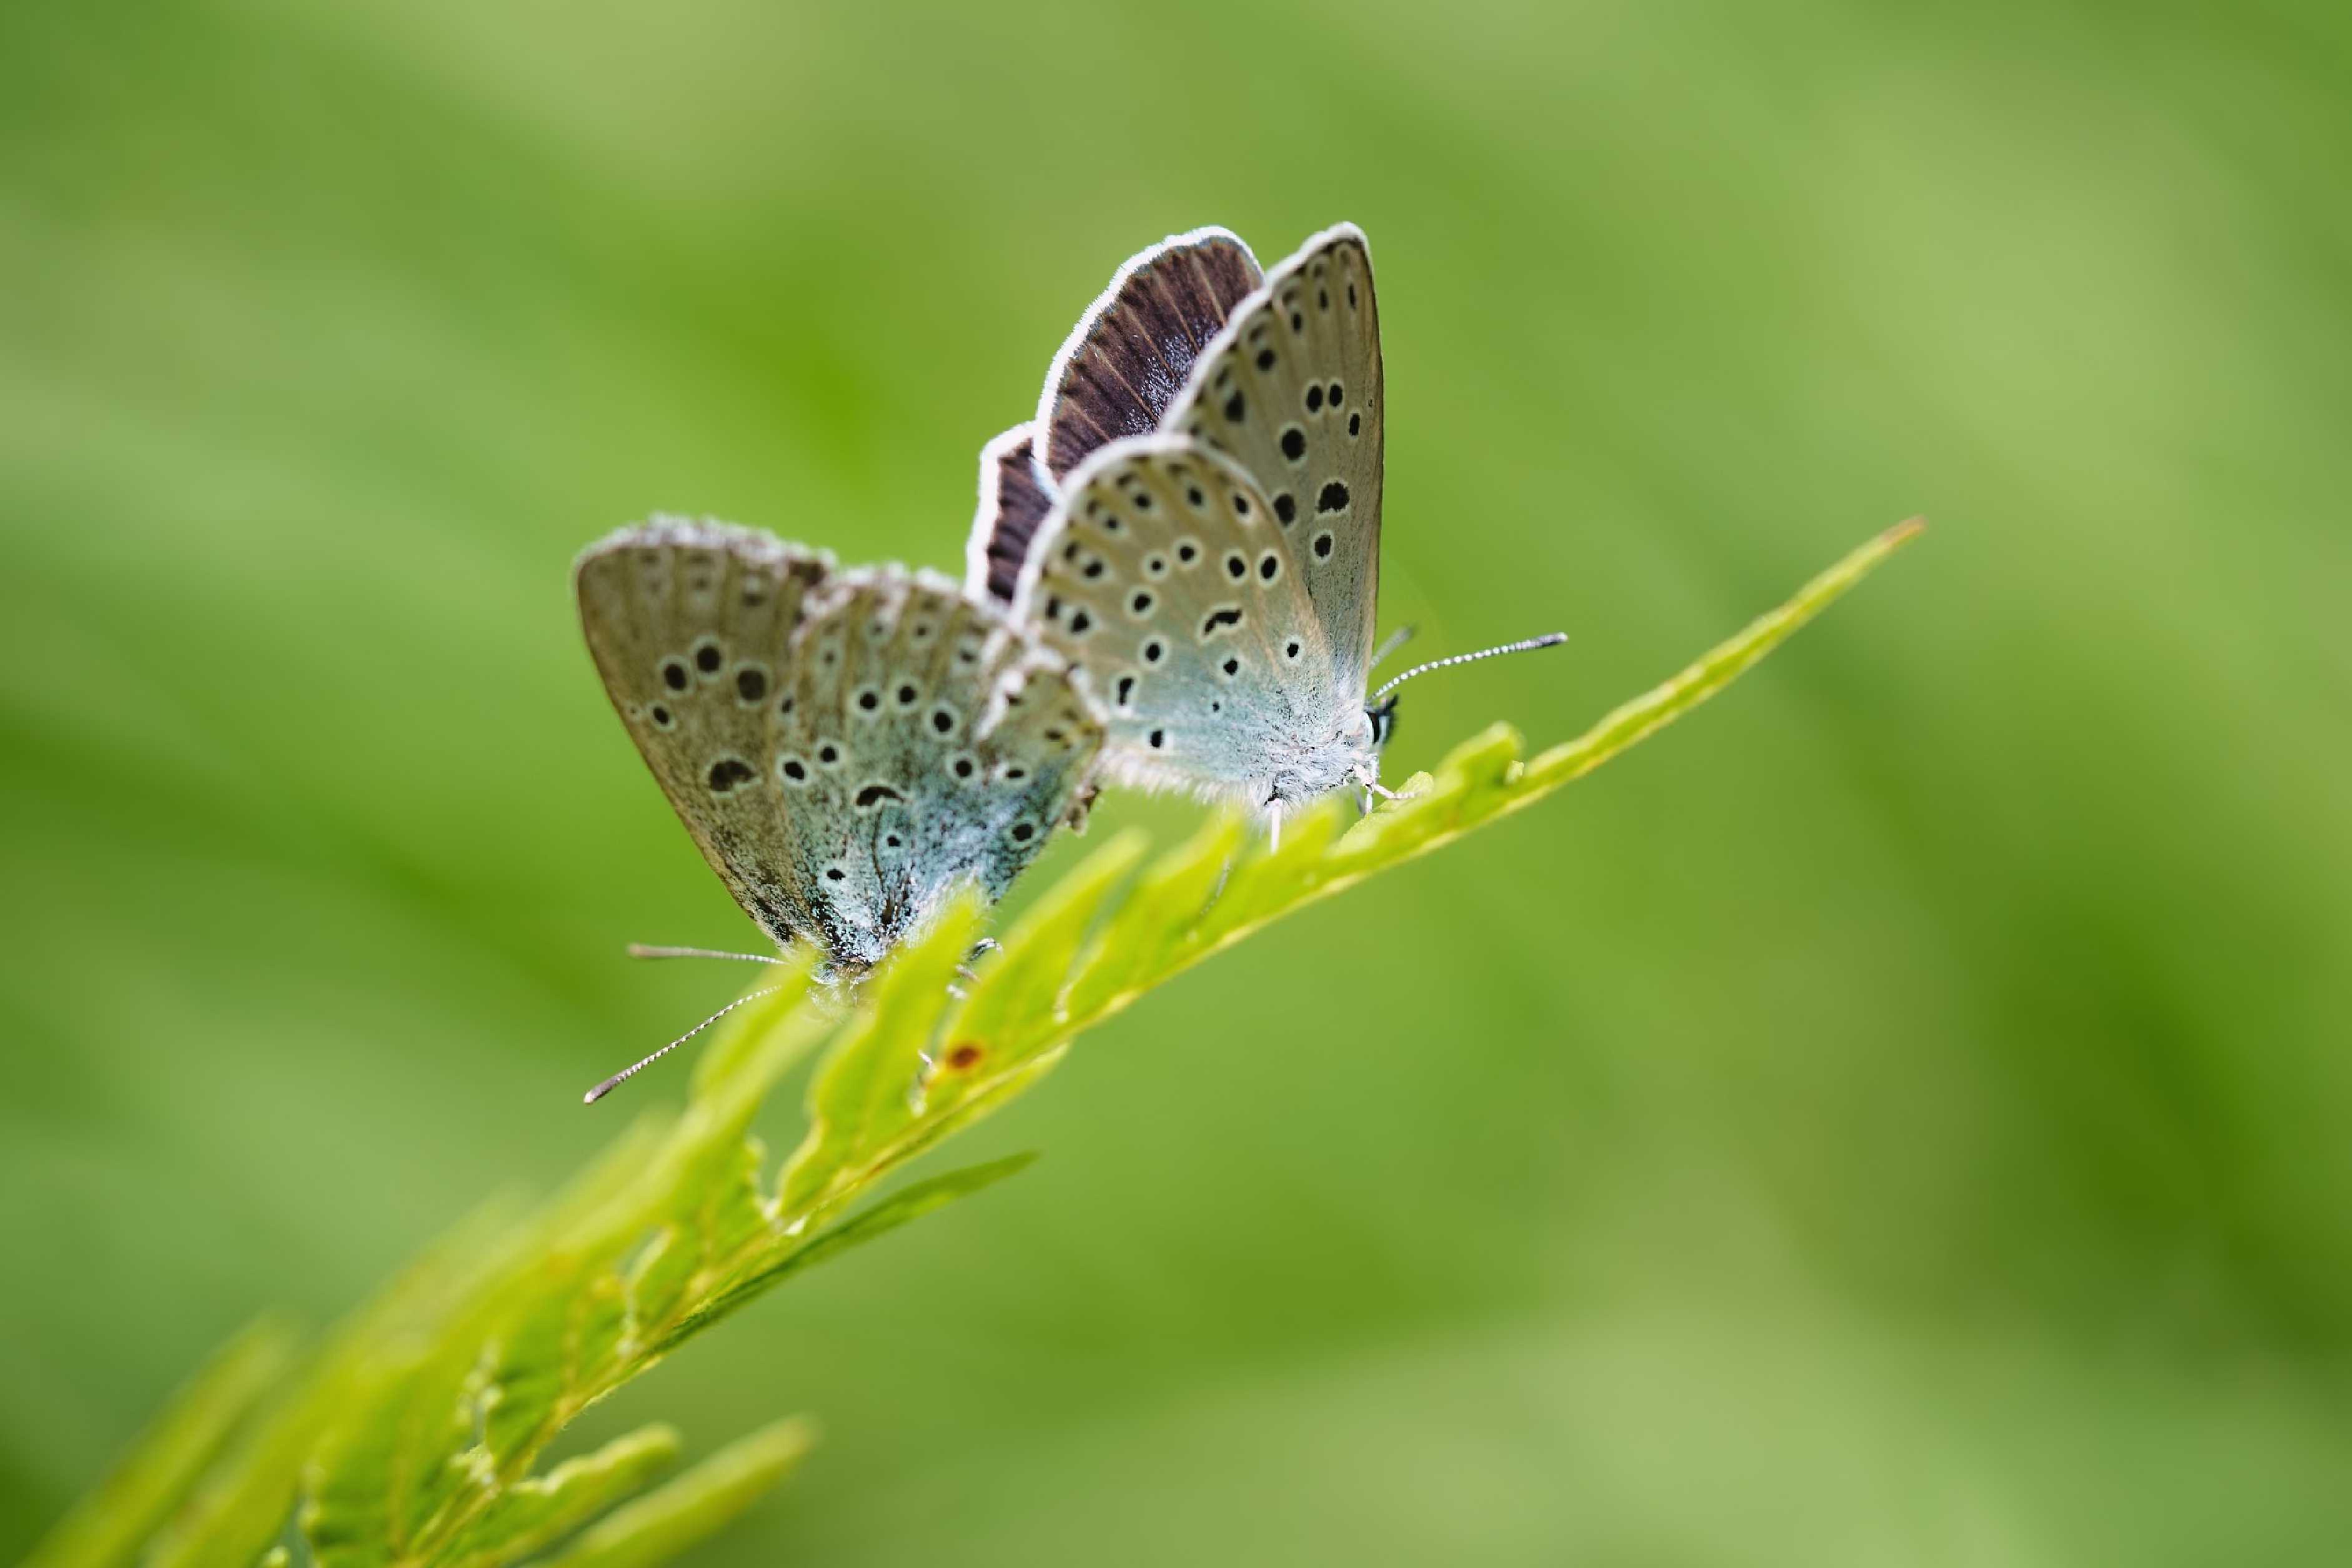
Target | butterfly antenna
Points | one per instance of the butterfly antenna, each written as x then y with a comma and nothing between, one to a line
634,1069
1550,639
1389,644
646,949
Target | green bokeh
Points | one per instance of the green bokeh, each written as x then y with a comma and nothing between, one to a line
1899,1117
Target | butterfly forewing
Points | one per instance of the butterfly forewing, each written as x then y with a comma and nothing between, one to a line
1013,502
688,625
1292,391
844,747
1163,572
1129,356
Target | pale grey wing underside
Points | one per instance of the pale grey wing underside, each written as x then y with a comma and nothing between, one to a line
1291,390
1162,572
844,747
1128,358
1013,502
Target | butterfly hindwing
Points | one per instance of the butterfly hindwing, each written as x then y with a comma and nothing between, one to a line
1291,390
844,747
1129,356
1163,574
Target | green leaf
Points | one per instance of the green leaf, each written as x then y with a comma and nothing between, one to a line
903,1208
861,1096
538,1512
413,1434
110,1525
665,1522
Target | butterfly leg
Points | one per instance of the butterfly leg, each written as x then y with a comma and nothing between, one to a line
980,950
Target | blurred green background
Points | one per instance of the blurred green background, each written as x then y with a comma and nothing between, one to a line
1899,1116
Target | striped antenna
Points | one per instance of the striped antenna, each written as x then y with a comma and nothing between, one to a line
634,1069
1550,639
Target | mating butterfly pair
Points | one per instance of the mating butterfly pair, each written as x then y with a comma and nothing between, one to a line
1172,579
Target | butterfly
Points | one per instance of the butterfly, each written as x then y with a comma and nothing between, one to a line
1194,519
847,747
